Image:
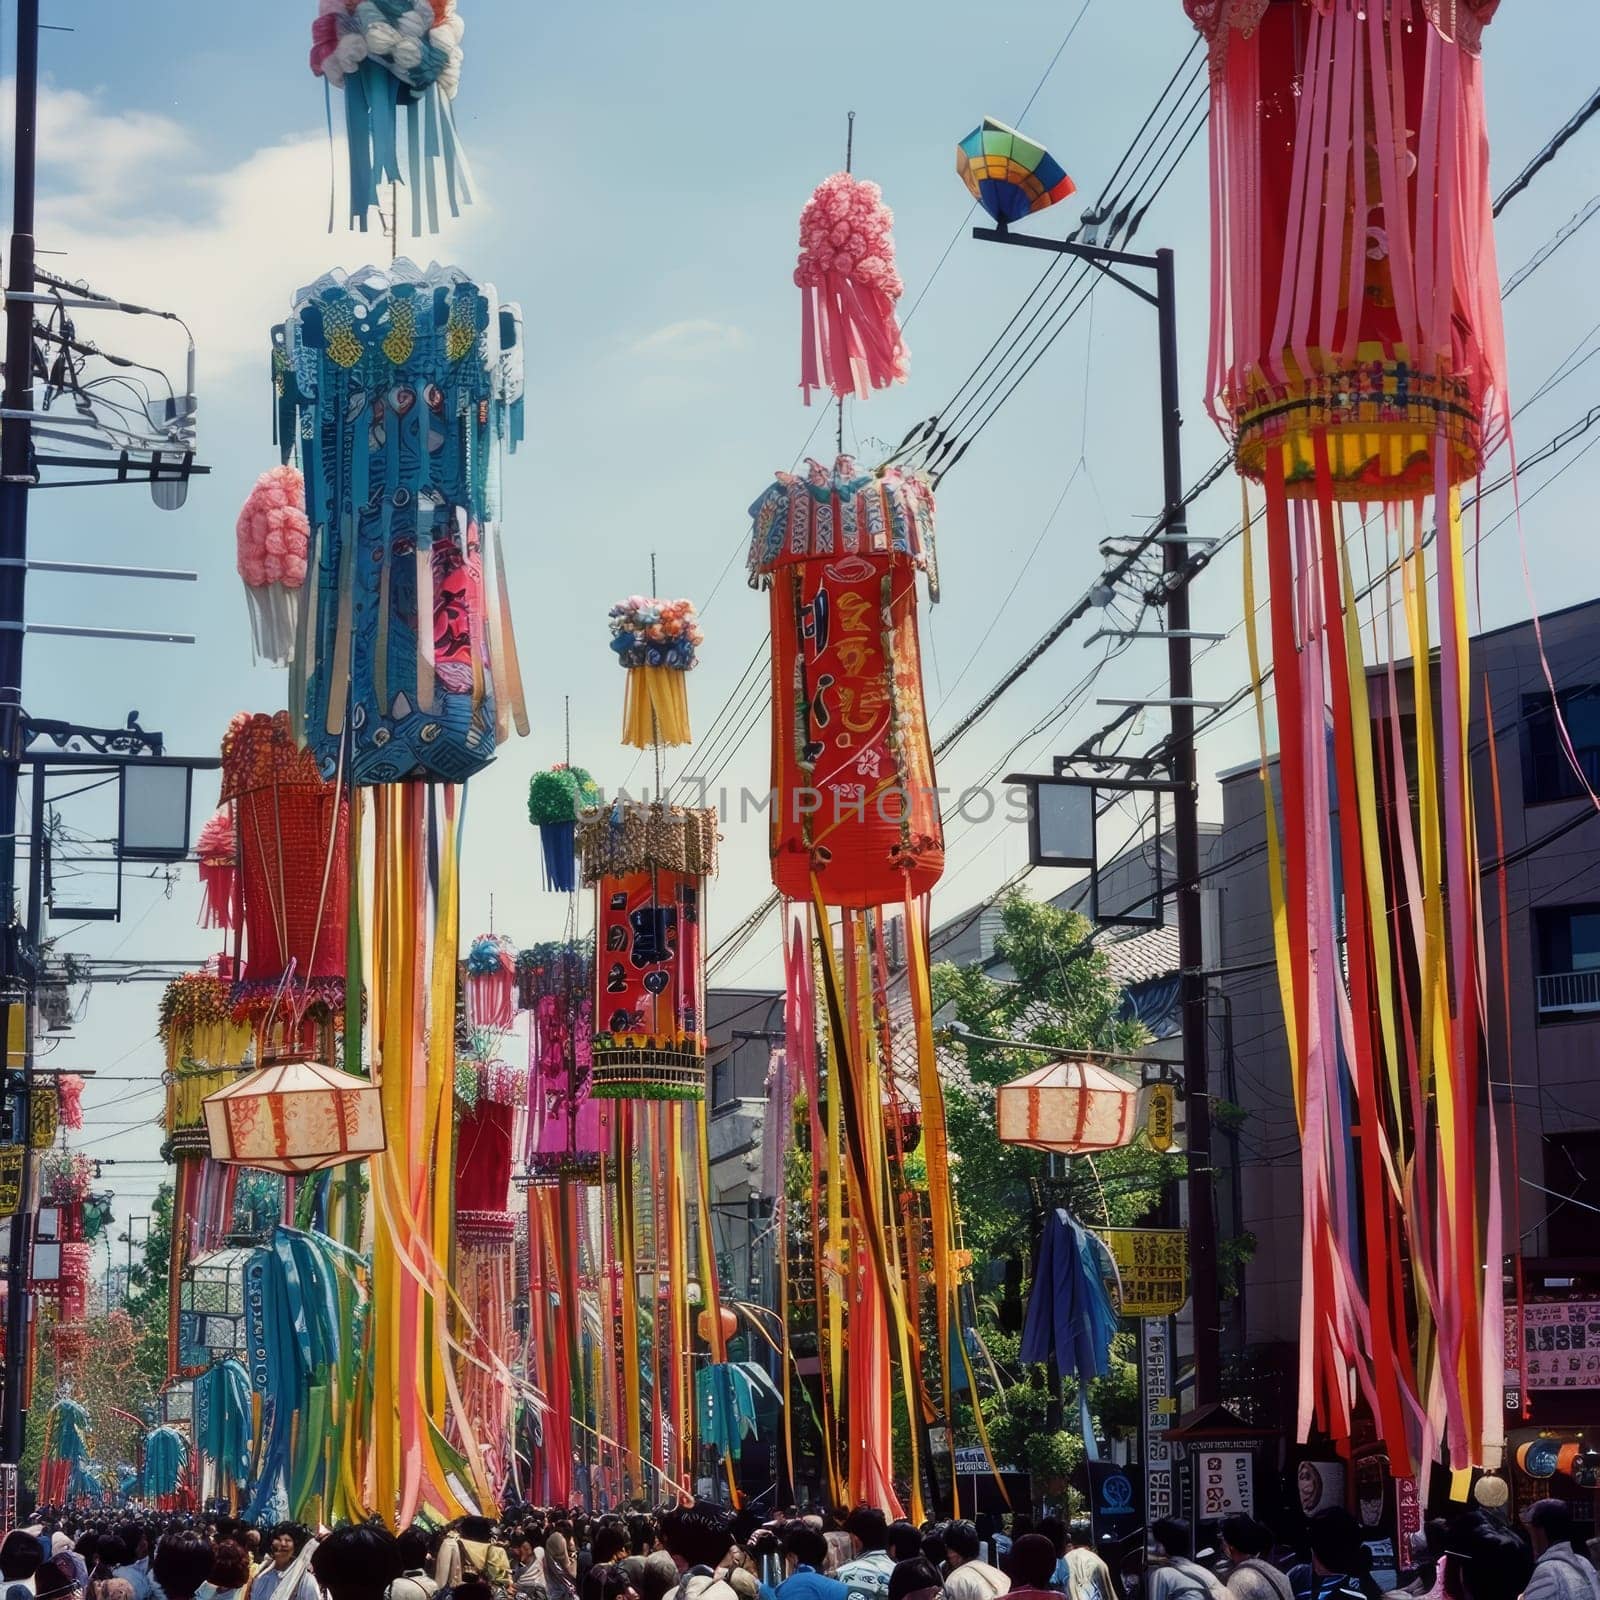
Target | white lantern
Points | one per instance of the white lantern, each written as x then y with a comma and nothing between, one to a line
1067,1108
295,1117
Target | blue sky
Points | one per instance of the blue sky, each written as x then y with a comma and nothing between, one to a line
642,168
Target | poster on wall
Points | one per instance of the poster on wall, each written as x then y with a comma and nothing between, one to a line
1224,1483
1561,1344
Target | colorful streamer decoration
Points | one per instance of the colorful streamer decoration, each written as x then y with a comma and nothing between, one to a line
567,1127
217,851
648,865
1008,174
390,56
655,641
556,799
852,766
850,341
398,386
1070,1315
166,1460
491,983
1357,359
274,539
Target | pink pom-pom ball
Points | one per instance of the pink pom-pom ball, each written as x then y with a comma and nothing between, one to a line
294,571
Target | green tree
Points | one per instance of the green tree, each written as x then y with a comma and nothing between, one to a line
149,1290
1061,994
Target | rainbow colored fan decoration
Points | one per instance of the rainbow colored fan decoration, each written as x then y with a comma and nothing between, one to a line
1009,175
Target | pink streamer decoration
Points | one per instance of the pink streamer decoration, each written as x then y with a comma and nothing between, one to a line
850,341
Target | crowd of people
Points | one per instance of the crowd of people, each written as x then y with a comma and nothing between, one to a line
700,1551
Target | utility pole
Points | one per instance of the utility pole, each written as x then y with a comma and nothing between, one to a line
1179,746
16,476
1186,851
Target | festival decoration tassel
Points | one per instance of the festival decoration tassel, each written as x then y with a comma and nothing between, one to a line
656,641
217,850
850,341
399,385
491,982
556,799
273,541
1357,357
389,56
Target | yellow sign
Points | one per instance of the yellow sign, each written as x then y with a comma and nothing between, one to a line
46,1116
10,1179
1153,1264
1161,1116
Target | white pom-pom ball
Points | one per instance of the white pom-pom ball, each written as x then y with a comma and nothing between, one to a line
448,34
408,55
382,39
350,52
415,23
327,8
333,72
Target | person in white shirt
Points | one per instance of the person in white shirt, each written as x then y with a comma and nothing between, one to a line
866,1574
287,1574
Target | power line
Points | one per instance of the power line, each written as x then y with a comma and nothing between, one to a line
1549,152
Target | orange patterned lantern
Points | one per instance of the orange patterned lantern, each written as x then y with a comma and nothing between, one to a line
293,869
649,864
1067,1107
295,1117
852,770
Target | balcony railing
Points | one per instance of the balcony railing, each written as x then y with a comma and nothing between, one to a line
1569,991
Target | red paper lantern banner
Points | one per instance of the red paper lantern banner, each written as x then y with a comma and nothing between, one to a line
293,867
852,766
648,865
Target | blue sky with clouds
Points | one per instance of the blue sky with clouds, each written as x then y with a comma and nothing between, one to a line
641,168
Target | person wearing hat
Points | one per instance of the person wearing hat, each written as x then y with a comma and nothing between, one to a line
1559,1572
57,1579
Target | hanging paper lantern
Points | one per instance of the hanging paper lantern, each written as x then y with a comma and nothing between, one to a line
649,865
274,537
727,1320
295,1117
1008,174
389,56
1357,356
567,1127
398,386
556,799
1068,1107
849,339
853,801
217,851
655,640
491,982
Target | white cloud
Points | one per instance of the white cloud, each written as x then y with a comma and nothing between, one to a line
142,213
691,340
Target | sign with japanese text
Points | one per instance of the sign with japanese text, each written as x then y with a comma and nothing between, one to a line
1561,1344
1224,1482
1161,1115
647,958
10,1179
1155,1391
1152,1264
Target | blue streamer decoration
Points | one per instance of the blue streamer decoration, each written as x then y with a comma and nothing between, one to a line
1070,1314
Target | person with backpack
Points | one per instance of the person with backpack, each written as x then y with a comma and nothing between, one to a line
1087,1576
1251,1576
1174,1575
470,1550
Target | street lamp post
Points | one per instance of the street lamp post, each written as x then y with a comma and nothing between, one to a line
1173,537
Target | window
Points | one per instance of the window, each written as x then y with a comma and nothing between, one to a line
1572,1174
1567,958
1546,768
